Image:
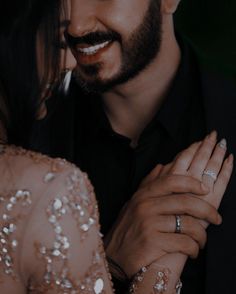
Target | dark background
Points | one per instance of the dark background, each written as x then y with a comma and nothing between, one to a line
211,27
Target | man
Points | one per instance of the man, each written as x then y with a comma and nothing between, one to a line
138,98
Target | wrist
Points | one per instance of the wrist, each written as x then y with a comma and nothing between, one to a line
156,277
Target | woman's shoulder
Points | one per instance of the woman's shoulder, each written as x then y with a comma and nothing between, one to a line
43,177
35,170
28,160
46,203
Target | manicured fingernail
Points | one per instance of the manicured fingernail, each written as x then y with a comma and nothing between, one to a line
212,136
230,159
204,188
223,144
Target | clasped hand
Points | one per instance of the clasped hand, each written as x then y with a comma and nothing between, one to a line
146,228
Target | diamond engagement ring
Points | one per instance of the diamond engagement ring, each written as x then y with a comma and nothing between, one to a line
178,224
210,173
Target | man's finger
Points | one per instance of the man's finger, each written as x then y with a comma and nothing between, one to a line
176,184
187,205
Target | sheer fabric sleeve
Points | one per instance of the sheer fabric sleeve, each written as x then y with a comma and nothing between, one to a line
62,247
160,277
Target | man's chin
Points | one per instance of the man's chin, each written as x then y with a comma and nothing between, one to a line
92,82
90,85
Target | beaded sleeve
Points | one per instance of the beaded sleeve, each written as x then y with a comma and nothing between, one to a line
50,240
155,279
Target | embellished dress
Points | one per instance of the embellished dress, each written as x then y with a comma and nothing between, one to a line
49,232
49,228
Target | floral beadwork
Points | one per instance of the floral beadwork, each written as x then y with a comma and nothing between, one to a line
78,203
91,283
76,198
9,222
161,284
162,279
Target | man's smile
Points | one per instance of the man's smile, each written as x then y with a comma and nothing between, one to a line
87,54
91,50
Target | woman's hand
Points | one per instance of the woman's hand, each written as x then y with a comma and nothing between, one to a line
205,162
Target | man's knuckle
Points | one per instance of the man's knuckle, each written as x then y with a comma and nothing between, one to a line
207,209
192,247
195,250
198,234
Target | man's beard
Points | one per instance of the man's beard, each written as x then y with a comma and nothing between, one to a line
137,53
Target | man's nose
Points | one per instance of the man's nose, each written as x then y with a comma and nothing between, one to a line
82,18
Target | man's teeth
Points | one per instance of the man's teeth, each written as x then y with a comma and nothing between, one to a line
93,49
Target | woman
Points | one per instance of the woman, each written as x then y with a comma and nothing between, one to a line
49,228
48,210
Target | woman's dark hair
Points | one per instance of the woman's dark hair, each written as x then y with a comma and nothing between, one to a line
20,85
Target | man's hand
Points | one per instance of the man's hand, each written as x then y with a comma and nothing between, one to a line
145,230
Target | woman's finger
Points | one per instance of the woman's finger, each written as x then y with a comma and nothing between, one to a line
166,169
183,159
214,165
222,181
202,156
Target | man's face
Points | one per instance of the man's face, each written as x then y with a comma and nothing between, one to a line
114,40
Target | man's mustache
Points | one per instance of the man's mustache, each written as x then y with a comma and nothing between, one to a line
92,38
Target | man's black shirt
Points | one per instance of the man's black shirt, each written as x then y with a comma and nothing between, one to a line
114,167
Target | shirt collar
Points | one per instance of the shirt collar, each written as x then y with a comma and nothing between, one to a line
171,114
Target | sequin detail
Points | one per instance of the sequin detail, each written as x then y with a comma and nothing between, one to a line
161,283
78,200
84,211
9,222
78,203
91,283
162,279
49,177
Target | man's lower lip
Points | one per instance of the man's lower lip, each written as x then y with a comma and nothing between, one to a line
83,58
